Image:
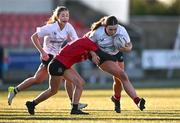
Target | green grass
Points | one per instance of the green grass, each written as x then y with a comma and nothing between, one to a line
163,106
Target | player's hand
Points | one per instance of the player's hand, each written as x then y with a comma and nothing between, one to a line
95,58
127,48
44,56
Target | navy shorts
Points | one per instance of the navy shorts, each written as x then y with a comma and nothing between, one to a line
45,63
106,57
56,68
119,56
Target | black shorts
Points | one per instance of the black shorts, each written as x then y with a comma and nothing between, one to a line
107,57
56,68
45,63
119,56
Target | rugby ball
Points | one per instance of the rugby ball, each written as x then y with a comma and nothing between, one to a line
119,41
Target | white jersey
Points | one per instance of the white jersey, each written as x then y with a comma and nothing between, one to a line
54,36
105,42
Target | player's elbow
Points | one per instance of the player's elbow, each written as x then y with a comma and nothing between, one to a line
34,37
129,47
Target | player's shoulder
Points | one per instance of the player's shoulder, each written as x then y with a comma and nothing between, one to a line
52,26
100,30
68,25
121,27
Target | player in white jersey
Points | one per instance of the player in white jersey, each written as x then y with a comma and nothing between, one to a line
105,42
55,33
102,32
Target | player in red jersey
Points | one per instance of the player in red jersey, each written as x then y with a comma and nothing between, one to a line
60,67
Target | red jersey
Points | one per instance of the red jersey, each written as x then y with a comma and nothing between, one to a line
76,51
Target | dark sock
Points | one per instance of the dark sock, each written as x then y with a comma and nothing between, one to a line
16,90
136,100
75,107
34,103
70,99
117,97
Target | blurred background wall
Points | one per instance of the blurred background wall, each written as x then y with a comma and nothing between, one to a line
151,24
28,6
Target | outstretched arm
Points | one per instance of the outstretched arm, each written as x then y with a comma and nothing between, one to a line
95,57
36,42
127,48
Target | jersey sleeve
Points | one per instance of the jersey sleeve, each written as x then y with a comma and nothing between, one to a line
43,31
72,33
125,34
94,36
89,44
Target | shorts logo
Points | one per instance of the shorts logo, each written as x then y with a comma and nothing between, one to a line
59,70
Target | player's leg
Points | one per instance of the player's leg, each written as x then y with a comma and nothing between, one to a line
56,72
54,82
69,88
117,89
114,69
71,75
40,75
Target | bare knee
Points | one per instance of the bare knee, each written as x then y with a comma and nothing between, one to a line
38,80
52,91
123,76
117,81
79,83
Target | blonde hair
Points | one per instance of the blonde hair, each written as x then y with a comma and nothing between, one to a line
56,13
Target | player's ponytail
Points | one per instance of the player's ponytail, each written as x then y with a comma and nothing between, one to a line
56,13
105,21
97,24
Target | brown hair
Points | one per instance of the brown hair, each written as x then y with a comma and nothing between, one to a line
56,13
105,21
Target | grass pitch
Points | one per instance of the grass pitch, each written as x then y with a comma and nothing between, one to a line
162,106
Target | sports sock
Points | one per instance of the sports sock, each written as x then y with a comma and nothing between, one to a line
117,97
136,100
70,99
75,107
16,90
34,103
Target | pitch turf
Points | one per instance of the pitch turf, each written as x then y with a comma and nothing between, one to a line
163,106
